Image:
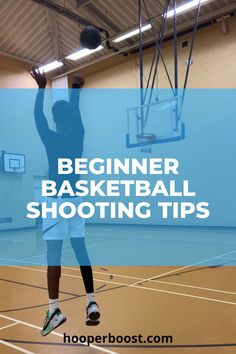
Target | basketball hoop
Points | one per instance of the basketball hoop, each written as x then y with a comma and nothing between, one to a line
146,140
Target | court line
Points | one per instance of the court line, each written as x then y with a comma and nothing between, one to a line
194,287
56,334
162,282
66,250
35,286
140,287
148,279
10,325
158,290
70,250
15,347
188,295
185,267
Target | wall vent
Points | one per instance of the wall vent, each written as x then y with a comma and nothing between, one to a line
184,44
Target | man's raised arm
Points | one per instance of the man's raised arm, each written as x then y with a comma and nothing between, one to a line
40,119
78,83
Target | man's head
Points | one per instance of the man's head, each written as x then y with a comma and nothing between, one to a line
62,115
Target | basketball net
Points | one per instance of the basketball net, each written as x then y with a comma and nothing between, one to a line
146,140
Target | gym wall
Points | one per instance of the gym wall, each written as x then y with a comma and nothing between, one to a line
21,138
15,74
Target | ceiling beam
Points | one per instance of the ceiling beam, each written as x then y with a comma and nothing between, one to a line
77,18
18,58
103,17
63,11
82,2
54,33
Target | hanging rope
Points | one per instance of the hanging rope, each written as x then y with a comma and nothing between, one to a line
191,49
157,49
158,46
175,49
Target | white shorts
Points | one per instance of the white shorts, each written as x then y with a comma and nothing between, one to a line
61,228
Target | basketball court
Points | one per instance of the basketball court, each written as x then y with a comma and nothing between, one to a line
163,301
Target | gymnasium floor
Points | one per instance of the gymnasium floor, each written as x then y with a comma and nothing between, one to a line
193,304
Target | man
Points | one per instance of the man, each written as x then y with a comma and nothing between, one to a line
67,142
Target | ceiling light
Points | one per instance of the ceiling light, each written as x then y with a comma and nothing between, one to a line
185,7
83,53
132,33
51,66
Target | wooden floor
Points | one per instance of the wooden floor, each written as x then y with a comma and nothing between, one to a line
194,305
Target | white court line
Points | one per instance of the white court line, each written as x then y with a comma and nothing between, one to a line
10,325
17,261
161,282
138,287
140,280
55,334
68,249
169,272
157,290
186,295
15,347
194,287
185,267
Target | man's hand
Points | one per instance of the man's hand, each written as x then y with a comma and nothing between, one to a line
39,77
78,80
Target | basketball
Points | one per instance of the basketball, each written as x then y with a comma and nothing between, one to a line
90,37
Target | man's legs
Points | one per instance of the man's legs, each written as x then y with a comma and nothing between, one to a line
53,272
79,247
54,317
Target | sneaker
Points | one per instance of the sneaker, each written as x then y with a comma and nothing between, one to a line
52,322
93,314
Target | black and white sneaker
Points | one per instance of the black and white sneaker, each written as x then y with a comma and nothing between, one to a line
52,322
93,314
